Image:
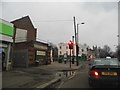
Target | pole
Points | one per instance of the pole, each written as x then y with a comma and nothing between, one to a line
74,27
13,45
77,47
77,62
73,50
73,39
70,58
77,34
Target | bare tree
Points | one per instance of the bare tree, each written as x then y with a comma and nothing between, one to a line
118,52
104,52
106,48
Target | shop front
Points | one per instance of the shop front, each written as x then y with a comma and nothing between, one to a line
41,53
6,35
40,57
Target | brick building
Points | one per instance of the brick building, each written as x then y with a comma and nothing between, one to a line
27,50
26,24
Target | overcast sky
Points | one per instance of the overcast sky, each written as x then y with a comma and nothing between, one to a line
54,20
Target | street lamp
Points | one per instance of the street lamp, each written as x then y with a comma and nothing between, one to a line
77,47
78,29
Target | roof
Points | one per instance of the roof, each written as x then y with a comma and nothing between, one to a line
23,23
33,41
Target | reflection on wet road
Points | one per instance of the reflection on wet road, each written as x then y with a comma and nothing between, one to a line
80,80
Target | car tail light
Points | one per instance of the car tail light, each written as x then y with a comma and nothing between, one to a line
94,73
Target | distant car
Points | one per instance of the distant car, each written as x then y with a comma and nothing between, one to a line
108,57
104,72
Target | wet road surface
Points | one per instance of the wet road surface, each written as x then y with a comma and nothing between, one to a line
80,80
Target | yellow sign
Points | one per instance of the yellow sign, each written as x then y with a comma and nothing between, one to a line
110,73
41,53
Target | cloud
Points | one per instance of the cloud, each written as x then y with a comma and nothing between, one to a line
100,20
0,10
60,0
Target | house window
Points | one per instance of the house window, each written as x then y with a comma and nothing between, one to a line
60,52
66,47
87,49
60,47
82,50
67,52
72,52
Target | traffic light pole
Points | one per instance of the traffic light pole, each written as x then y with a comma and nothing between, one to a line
73,50
77,48
70,43
70,58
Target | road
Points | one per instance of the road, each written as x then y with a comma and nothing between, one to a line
80,80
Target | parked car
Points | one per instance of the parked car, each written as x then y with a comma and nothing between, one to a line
104,72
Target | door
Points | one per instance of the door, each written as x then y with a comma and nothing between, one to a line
21,58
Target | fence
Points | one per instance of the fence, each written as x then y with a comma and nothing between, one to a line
82,58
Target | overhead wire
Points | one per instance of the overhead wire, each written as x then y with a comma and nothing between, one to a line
54,21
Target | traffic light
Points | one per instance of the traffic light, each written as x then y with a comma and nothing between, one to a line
70,43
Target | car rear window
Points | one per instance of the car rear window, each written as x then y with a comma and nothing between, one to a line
106,62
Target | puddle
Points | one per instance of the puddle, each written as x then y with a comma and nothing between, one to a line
64,74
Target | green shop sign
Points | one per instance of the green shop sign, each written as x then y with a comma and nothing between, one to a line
6,29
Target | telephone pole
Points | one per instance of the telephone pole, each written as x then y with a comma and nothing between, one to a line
77,61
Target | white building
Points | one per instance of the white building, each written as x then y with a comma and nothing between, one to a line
63,48
83,50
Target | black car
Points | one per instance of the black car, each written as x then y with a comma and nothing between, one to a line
104,73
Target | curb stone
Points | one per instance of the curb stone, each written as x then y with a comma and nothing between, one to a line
47,85
68,78
65,81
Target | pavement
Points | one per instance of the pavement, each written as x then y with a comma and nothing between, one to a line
37,77
0,80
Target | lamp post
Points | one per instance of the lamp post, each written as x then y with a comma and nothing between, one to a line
78,31
77,40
